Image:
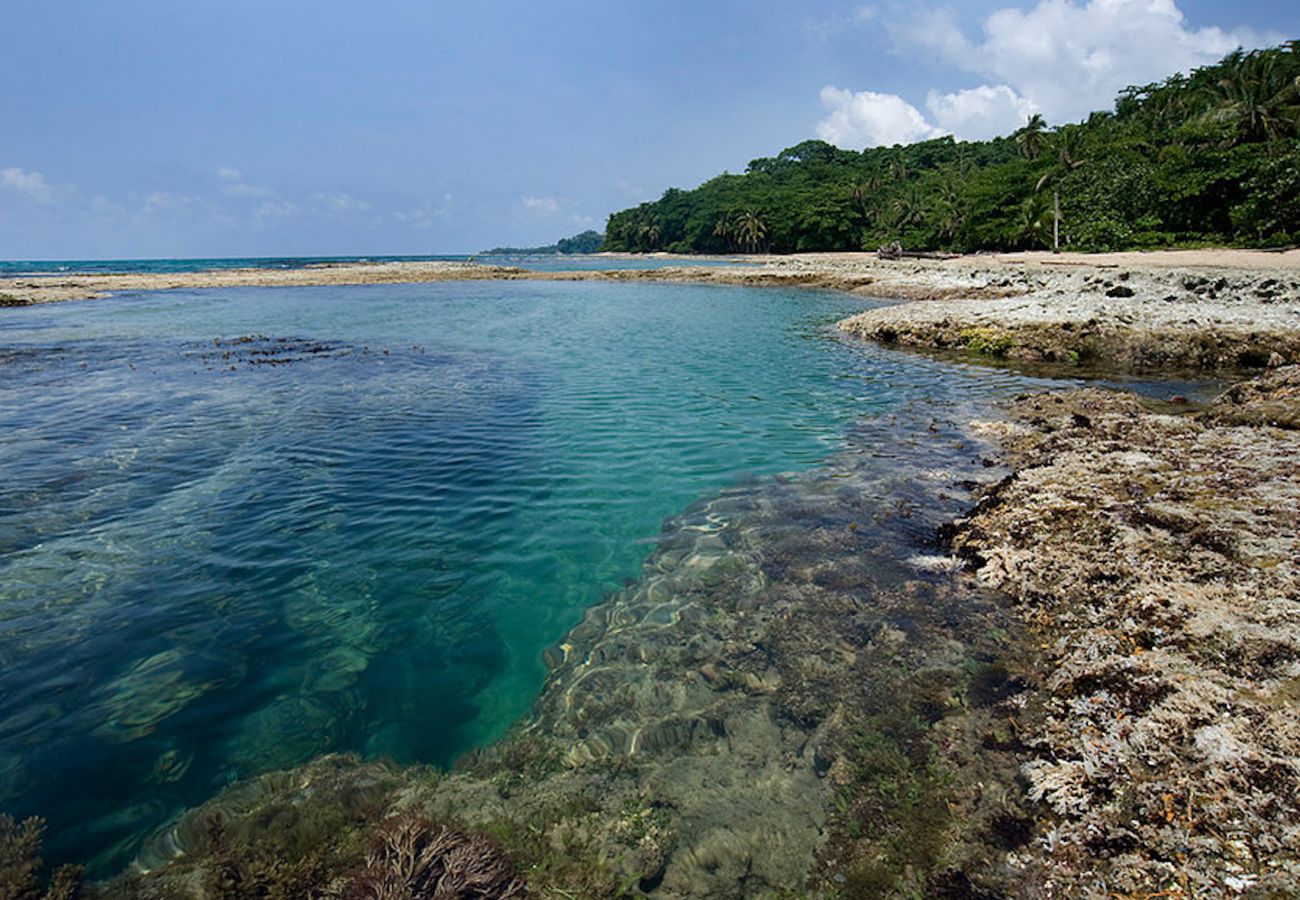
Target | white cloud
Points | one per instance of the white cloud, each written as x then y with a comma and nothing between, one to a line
428,214
1061,58
275,209
546,205
30,184
1070,57
867,119
236,186
244,189
980,113
338,202
169,203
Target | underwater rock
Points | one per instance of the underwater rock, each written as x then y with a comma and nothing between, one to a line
780,698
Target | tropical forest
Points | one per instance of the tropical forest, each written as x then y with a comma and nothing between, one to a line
1206,158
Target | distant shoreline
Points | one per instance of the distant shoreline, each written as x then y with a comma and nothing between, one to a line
1216,309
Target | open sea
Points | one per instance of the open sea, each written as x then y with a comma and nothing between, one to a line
540,263
240,528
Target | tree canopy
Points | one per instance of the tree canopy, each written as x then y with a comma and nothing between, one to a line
587,242
1212,157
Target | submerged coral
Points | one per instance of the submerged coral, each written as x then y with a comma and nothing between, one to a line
803,696
797,696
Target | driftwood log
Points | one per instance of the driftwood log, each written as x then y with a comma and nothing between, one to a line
895,251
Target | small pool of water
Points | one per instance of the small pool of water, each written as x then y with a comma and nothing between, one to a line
242,528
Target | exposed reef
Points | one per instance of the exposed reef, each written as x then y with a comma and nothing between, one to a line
1155,557
1125,320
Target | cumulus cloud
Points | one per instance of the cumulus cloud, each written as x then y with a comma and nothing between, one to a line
540,204
1069,57
235,185
1061,58
30,184
867,119
980,113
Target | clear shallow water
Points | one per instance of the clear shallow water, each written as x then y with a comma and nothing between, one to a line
359,531
546,263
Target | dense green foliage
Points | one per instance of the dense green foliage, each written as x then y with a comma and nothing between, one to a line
1207,158
587,242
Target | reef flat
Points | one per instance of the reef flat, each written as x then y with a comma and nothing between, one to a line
1155,557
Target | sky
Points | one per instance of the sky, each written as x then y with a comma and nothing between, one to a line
152,128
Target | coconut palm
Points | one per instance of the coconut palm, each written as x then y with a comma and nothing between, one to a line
1034,218
1258,95
909,208
1067,145
864,191
1033,137
751,230
898,167
722,229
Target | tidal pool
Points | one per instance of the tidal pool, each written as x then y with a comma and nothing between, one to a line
241,528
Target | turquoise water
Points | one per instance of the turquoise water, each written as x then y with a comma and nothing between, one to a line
240,528
546,263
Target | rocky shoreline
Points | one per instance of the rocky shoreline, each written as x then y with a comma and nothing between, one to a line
1156,556
1049,652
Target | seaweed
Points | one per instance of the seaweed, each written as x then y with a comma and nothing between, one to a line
20,864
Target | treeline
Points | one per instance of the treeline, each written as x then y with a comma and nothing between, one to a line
1207,158
587,242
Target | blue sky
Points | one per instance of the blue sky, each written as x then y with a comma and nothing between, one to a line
144,128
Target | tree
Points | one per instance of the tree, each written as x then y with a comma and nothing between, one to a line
909,208
1033,137
751,230
1257,93
1034,216
723,229
1066,142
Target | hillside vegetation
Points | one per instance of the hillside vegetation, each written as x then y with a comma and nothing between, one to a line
587,242
1207,158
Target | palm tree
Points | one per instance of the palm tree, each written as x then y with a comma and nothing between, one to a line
909,208
864,191
722,229
1032,138
1033,220
648,235
1067,143
751,230
898,167
1258,96
949,210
